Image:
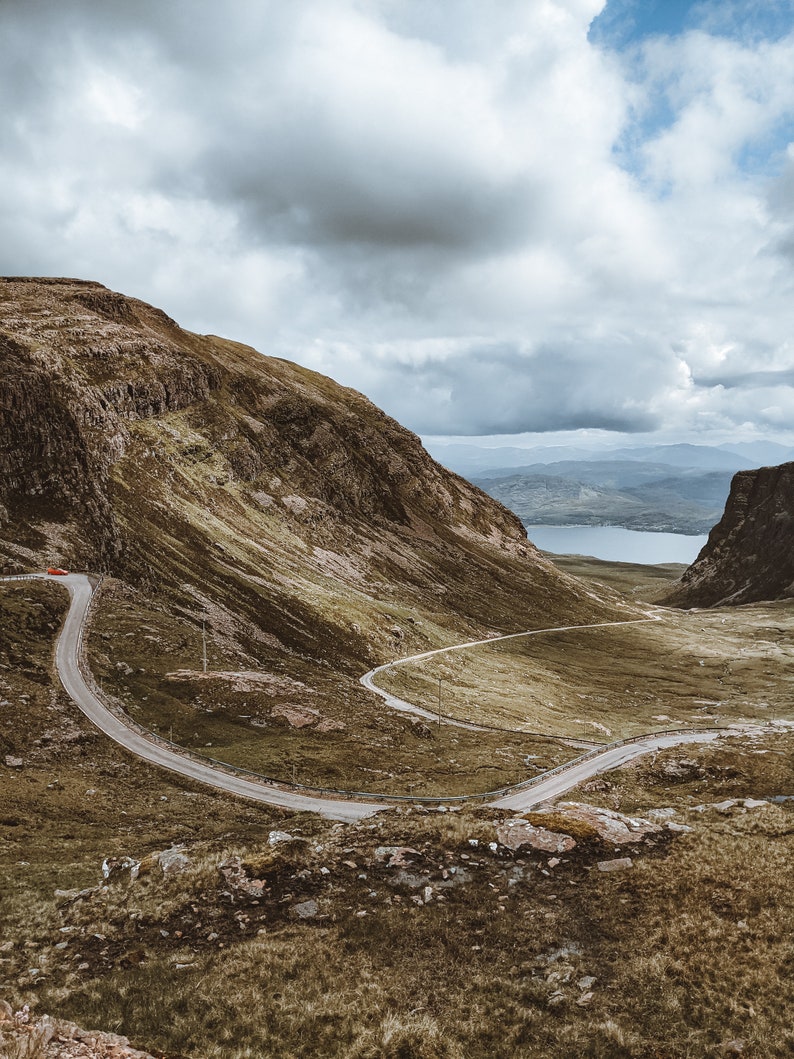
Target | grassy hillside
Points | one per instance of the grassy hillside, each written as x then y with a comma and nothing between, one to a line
314,946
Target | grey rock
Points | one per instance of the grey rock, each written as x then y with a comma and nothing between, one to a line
173,861
618,864
517,833
397,856
276,837
13,762
305,910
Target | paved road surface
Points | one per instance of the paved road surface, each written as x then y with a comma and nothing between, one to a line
67,653
558,784
66,656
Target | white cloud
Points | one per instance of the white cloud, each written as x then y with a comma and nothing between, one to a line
468,211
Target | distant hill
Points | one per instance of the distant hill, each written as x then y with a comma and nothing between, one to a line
474,461
703,457
642,498
749,555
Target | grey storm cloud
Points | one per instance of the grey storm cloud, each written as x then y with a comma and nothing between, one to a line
430,201
493,389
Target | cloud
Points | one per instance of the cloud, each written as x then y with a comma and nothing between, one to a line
476,214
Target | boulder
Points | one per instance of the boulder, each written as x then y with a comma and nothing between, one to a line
13,762
172,861
275,838
114,867
517,833
618,864
305,910
610,826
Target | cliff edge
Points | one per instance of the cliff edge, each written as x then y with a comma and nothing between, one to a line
749,555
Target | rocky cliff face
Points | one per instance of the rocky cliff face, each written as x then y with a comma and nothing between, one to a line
195,466
749,555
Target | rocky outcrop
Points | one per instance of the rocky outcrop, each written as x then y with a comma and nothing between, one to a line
24,1034
749,555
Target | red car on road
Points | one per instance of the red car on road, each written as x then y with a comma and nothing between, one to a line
56,570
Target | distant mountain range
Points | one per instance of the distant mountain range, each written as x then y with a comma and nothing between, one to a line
671,488
474,460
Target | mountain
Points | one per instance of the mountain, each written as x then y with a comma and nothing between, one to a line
703,457
749,555
660,501
474,460
298,521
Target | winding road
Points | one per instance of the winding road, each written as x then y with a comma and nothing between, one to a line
147,746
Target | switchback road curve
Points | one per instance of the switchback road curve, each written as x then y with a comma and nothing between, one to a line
146,746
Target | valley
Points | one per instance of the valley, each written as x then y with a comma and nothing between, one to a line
526,932
264,538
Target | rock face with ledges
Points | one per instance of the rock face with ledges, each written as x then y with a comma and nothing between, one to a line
286,510
749,555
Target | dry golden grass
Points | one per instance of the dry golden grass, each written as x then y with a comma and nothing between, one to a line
689,950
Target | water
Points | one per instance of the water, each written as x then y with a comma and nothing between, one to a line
616,544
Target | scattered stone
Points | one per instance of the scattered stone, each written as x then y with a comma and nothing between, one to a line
13,762
661,814
726,806
679,828
114,866
756,803
76,895
172,861
276,837
734,1047
585,999
618,864
556,999
238,881
420,729
681,770
517,833
587,982
610,826
397,856
305,910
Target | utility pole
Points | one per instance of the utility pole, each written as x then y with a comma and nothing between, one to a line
204,643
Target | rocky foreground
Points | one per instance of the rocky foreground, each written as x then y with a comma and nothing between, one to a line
29,1036
749,555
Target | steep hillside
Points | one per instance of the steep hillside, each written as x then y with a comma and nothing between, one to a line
749,555
307,532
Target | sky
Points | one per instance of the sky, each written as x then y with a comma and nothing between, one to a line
522,219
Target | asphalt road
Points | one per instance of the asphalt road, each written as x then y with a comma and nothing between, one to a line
66,661
67,653
613,758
